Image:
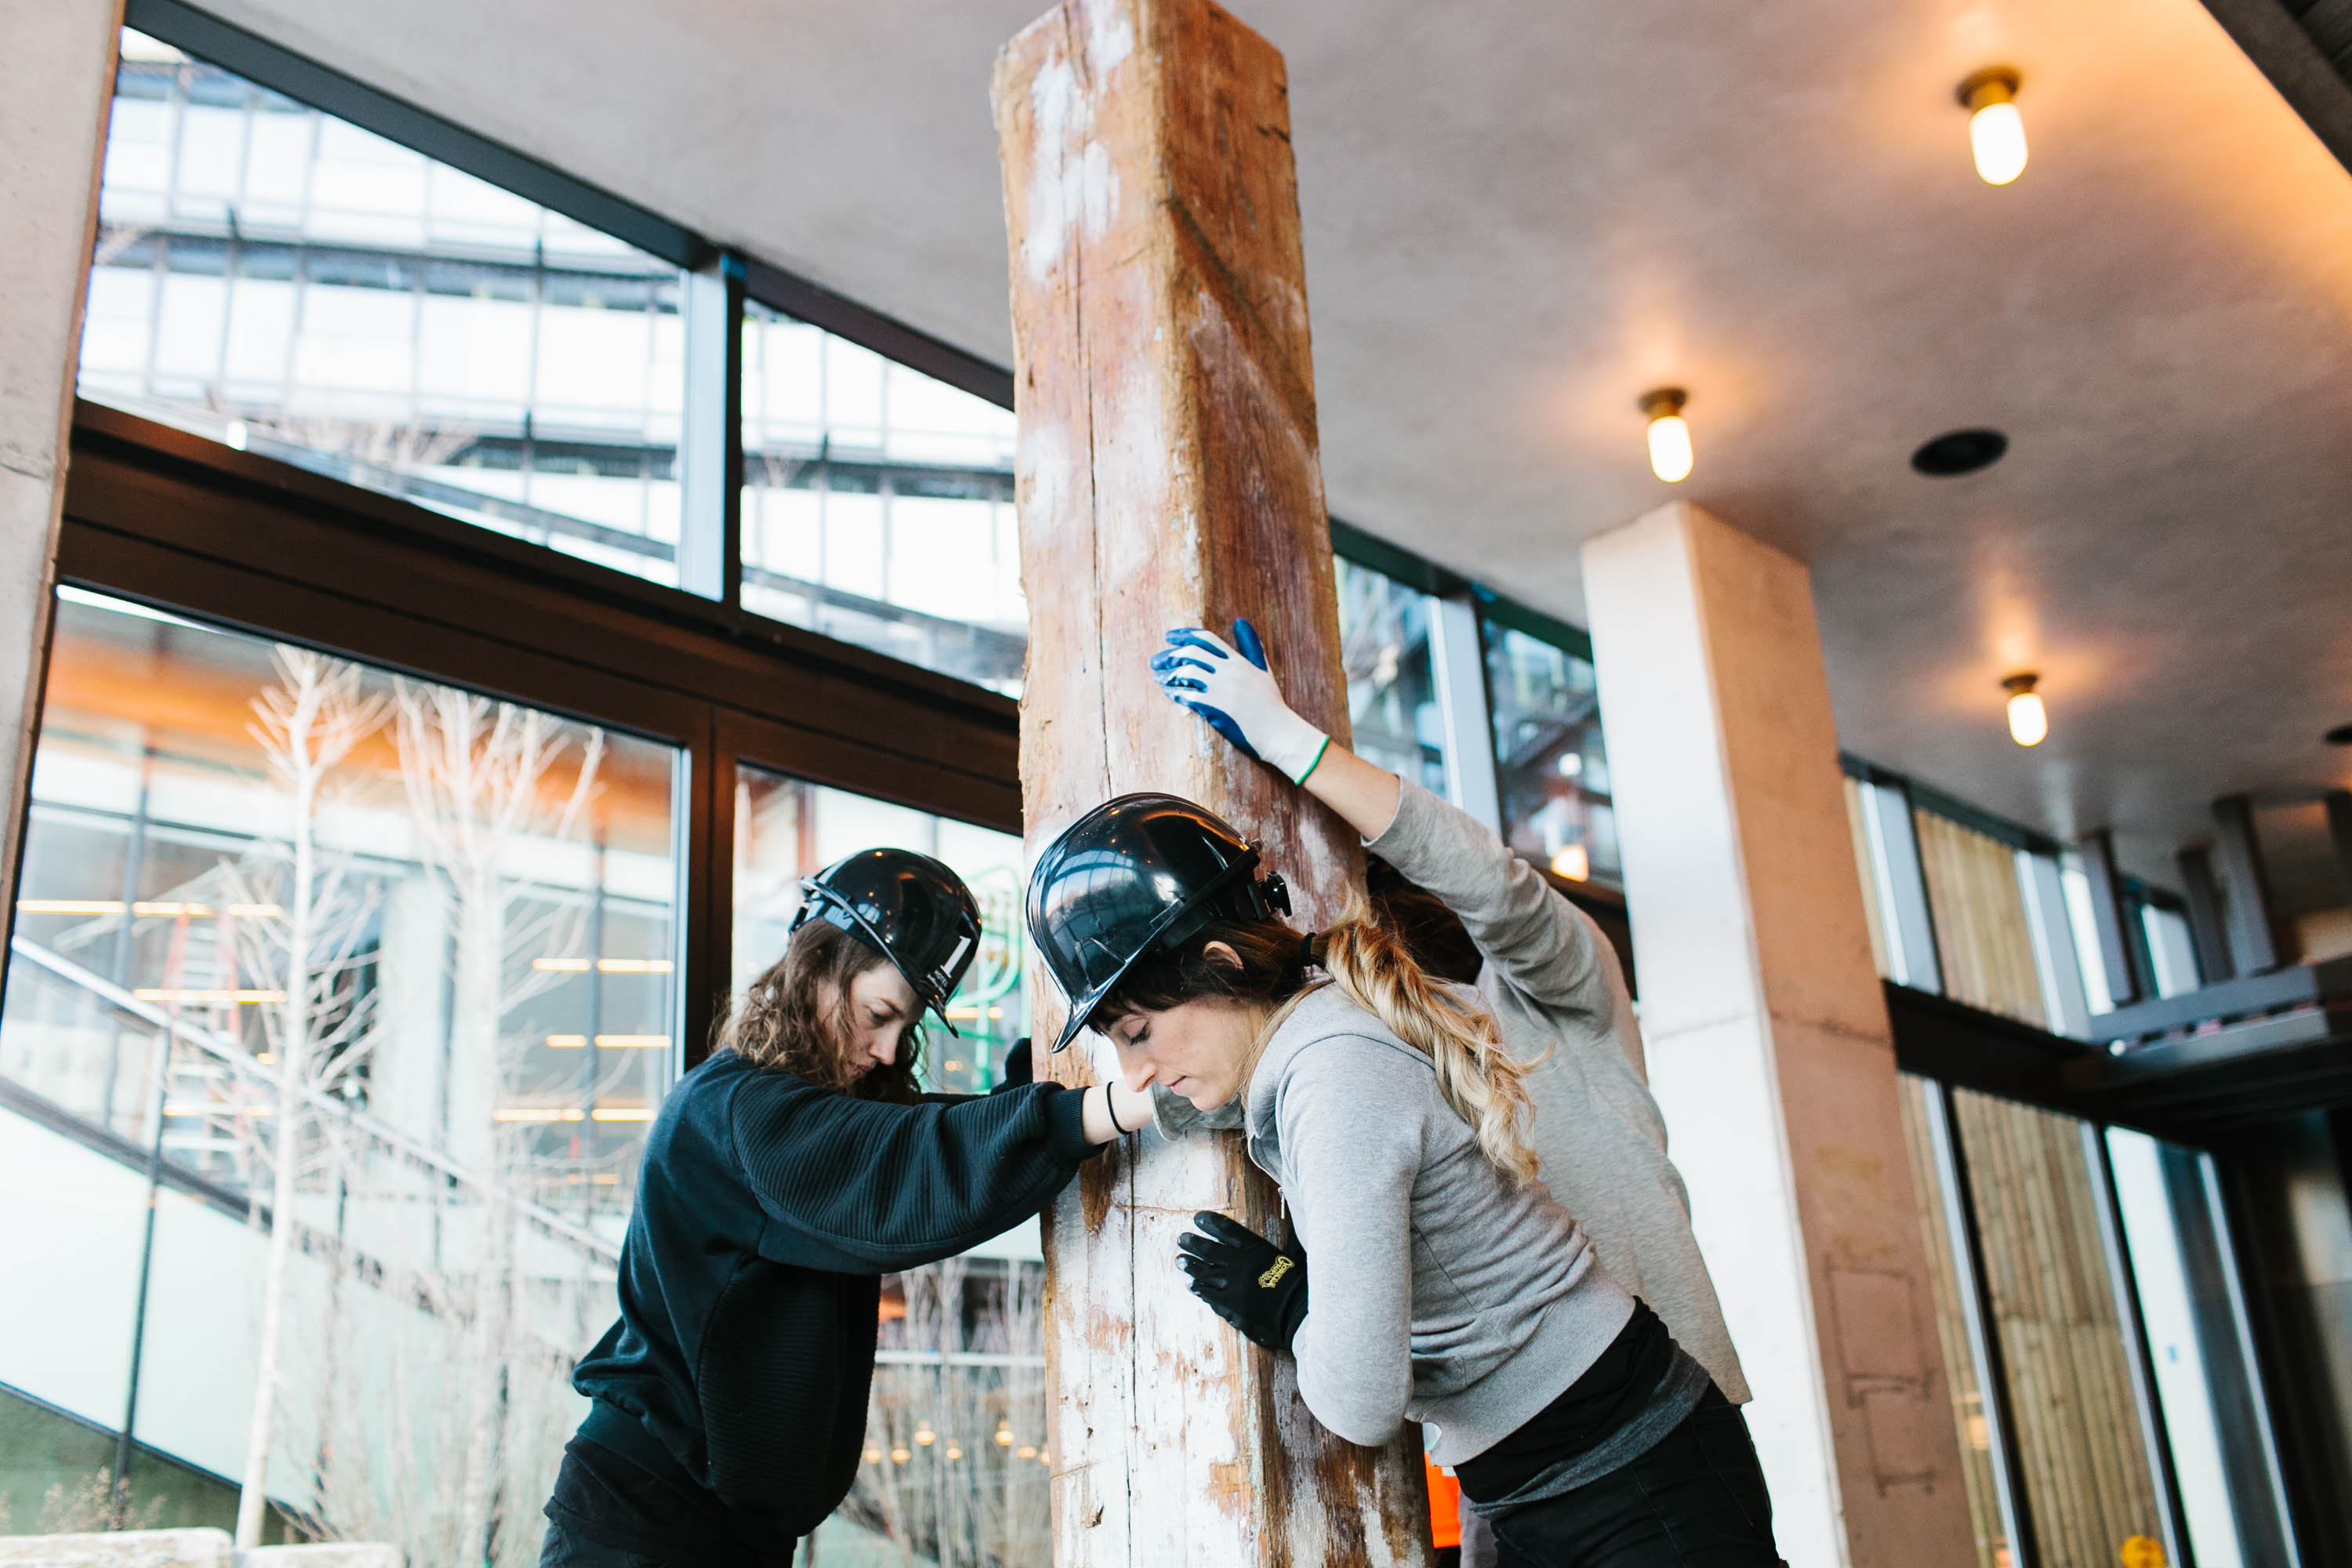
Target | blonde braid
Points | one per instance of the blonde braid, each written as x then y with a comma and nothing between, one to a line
1479,1077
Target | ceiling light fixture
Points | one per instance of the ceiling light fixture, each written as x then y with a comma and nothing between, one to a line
1996,129
2029,720
1670,441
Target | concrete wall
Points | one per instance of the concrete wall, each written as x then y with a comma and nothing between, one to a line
1770,1049
57,83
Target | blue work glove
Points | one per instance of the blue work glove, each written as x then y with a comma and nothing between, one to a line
1230,687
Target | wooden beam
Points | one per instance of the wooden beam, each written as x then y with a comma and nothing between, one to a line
1169,475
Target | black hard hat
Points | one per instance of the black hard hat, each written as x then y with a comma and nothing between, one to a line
1140,873
916,912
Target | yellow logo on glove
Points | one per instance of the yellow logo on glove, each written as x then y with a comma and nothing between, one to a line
1273,1276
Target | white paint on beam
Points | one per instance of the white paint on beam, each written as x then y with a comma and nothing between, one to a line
1110,38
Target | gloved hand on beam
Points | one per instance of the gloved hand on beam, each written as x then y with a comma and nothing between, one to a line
1255,1286
1230,687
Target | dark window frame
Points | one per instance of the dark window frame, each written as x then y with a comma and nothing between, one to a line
1394,562
1527,621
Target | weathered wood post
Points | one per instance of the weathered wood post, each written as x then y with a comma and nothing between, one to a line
1169,476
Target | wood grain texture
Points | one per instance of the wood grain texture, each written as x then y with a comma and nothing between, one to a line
1982,934
1167,475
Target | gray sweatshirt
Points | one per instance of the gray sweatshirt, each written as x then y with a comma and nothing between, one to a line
1554,984
1438,1290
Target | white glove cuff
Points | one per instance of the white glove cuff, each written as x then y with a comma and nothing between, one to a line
1293,747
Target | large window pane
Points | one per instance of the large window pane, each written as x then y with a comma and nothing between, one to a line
1391,695
956,1470
953,1469
878,504
2067,1363
2192,1394
786,829
278,279
286,918
1549,764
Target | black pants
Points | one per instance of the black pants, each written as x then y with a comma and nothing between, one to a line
1695,1501
568,1549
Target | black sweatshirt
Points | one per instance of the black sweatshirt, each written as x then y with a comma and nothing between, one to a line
767,1209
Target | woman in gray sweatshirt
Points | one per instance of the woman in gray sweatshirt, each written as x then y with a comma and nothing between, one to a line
1557,991
1452,1289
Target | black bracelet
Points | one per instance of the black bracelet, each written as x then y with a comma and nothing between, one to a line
1110,1108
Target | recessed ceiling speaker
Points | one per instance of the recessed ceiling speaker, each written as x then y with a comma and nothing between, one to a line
1959,452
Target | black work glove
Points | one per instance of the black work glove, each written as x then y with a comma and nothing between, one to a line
1248,1281
1017,1069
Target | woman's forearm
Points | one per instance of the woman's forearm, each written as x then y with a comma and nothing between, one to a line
1114,1110
1363,794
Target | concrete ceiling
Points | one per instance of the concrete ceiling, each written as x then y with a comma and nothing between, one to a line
1522,214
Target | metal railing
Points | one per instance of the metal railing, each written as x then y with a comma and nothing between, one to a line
233,1054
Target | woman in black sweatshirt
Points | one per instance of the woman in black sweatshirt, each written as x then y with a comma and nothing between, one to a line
781,1179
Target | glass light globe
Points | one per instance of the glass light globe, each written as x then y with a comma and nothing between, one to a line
2028,721
1997,136
1670,447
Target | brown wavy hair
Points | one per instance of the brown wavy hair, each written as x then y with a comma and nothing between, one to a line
1373,968
795,1017
1430,931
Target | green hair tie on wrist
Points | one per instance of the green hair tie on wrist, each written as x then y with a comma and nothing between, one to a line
1313,763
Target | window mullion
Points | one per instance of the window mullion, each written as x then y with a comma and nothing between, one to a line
1458,671
1903,886
710,435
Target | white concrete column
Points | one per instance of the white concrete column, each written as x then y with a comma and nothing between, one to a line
1767,1036
57,84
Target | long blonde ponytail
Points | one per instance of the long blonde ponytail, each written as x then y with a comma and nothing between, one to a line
1479,1077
